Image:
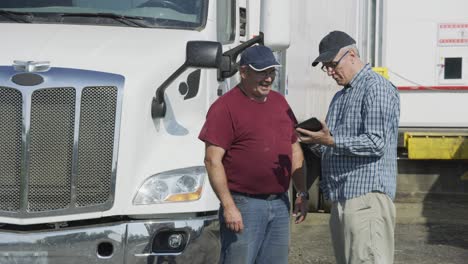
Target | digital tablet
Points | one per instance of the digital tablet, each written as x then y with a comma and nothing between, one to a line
312,124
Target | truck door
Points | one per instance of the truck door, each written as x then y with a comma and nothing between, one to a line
226,29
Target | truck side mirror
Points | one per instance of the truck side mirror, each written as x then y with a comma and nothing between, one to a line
203,54
200,54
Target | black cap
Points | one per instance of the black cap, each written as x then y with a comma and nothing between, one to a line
331,44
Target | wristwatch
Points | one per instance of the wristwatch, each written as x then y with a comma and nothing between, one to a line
303,195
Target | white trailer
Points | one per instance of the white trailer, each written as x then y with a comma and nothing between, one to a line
422,48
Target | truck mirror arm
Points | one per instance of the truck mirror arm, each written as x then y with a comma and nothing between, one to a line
199,54
158,106
228,61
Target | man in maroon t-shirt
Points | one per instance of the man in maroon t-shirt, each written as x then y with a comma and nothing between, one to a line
251,154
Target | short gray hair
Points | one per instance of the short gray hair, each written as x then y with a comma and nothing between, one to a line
351,47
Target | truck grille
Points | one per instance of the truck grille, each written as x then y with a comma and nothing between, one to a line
10,148
57,149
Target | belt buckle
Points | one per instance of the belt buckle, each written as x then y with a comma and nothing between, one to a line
271,197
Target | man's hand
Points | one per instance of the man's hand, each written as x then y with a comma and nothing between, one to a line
300,209
218,180
322,137
233,219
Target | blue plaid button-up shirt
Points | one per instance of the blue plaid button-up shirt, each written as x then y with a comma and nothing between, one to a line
363,120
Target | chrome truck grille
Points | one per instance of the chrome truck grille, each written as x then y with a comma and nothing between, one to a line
58,142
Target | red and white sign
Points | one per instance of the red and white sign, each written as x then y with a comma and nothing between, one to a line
452,34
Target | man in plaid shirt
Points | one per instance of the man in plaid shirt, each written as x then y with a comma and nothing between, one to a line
359,150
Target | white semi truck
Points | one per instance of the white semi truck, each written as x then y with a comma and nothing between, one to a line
101,104
102,101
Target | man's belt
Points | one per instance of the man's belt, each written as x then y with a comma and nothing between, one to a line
268,197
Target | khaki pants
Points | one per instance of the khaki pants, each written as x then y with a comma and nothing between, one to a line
362,229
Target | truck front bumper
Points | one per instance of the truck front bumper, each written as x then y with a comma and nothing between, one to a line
122,242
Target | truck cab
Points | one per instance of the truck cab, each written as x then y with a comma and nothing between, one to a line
102,103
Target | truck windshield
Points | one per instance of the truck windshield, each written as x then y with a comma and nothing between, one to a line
182,14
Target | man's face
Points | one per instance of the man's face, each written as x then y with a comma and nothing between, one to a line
339,68
258,83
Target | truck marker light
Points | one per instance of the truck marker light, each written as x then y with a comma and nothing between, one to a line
185,196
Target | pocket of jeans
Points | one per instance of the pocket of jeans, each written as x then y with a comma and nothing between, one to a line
285,199
239,200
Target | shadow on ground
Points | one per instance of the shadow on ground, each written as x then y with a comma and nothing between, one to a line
442,188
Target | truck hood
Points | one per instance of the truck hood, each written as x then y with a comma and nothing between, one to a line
94,47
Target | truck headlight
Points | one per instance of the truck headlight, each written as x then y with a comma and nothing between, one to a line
178,185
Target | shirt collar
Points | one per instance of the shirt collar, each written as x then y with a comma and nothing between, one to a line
359,76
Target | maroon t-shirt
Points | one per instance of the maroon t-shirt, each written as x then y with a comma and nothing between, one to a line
257,138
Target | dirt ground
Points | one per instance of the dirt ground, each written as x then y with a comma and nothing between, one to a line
429,233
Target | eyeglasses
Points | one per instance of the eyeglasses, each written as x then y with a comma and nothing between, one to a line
265,74
333,64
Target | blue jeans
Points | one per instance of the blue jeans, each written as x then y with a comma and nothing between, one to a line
265,238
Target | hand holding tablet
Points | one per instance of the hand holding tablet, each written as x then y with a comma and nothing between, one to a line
312,124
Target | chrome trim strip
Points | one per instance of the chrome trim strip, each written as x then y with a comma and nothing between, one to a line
61,78
25,151
118,116
74,171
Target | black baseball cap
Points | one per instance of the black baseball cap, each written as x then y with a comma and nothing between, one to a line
259,58
331,44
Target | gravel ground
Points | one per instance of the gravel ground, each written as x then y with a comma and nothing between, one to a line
429,233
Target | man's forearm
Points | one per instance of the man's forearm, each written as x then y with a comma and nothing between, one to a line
218,181
362,145
298,178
